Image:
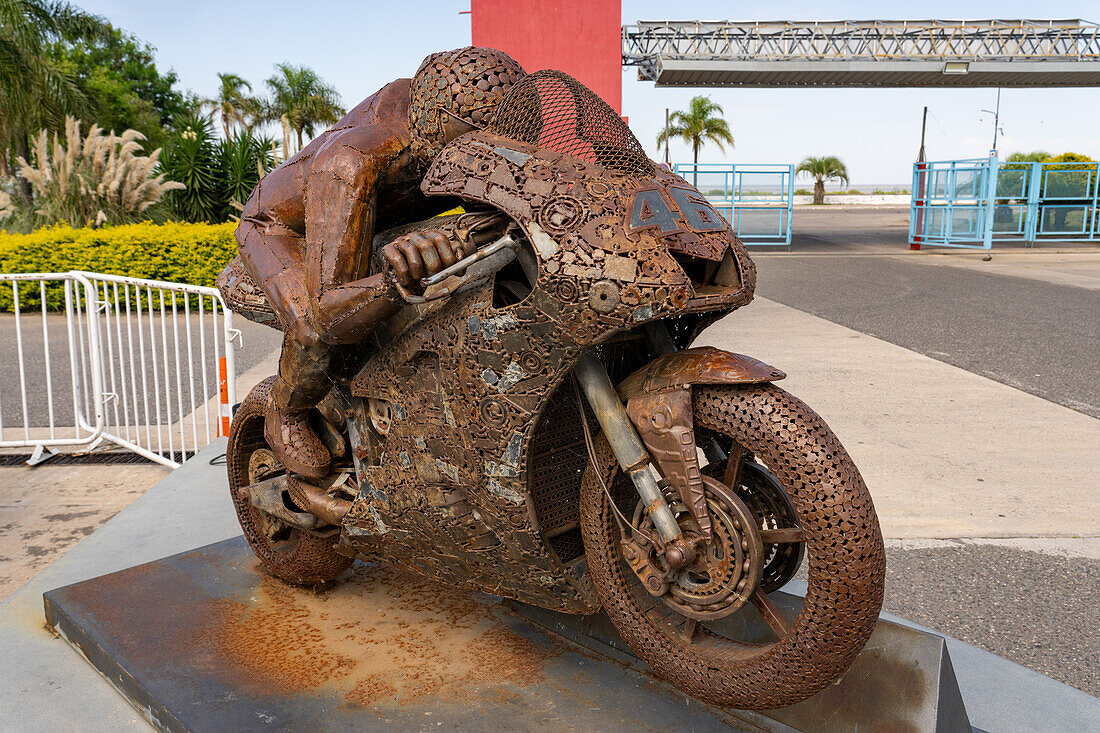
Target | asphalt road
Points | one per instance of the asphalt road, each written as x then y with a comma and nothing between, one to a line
1037,609
1014,324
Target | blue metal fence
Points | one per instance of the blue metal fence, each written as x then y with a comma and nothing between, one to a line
973,203
757,199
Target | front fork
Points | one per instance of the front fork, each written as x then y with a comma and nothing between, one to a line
633,457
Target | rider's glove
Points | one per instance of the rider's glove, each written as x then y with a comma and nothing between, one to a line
422,254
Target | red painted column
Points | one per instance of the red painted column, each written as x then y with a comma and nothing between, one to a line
920,197
580,37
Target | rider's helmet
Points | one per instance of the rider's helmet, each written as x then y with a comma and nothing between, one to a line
456,91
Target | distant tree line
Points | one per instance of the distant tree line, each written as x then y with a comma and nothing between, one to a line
74,87
1064,186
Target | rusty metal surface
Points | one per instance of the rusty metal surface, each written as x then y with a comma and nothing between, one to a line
699,365
780,531
451,428
202,642
725,573
288,553
665,423
303,229
470,379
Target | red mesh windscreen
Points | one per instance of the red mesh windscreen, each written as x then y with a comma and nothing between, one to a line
553,110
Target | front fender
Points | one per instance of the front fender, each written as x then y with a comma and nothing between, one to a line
700,365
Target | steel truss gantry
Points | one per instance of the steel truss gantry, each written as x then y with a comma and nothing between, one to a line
865,53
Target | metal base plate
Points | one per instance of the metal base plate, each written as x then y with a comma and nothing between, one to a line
203,641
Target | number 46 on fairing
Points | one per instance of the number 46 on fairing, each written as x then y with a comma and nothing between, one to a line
689,210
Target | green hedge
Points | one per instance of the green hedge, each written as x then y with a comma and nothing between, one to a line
175,252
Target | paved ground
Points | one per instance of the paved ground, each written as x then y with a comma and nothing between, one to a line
939,454
1032,325
945,452
982,462
1036,336
55,689
880,230
45,686
1039,609
939,448
828,229
46,509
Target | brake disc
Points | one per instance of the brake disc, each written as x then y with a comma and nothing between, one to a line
771,506
726,570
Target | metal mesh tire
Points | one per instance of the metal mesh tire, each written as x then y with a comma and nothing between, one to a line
846,560
305,559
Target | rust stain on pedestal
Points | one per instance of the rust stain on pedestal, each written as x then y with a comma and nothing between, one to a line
380,635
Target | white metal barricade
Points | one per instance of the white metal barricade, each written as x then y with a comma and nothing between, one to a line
142,364
66,343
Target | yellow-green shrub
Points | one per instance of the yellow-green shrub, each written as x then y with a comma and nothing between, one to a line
176,252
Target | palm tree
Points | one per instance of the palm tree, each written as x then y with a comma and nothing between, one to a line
234,102
699,125
35,90
823,169
303,98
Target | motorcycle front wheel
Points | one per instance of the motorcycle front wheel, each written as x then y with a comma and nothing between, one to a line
287,553
772,662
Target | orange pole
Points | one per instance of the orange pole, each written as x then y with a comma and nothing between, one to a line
224,409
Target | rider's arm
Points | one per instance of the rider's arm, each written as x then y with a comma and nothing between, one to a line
349,312
340,211
341,206
340,215
271,245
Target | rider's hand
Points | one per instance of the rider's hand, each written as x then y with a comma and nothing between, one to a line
422,254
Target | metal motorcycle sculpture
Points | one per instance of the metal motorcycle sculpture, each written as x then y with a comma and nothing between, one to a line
535,425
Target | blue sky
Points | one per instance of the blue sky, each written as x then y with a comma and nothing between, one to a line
360,46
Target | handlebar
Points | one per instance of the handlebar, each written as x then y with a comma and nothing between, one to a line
465,262
505,242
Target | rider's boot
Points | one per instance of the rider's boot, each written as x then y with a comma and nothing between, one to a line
302,382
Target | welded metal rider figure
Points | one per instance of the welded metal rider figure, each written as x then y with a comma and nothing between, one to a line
305,232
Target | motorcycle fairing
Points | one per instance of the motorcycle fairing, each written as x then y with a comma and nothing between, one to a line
583,207
449,496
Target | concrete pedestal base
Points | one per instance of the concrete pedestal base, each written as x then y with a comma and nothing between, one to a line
903,679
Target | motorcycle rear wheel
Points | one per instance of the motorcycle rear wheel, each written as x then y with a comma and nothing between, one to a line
289,554
716,662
